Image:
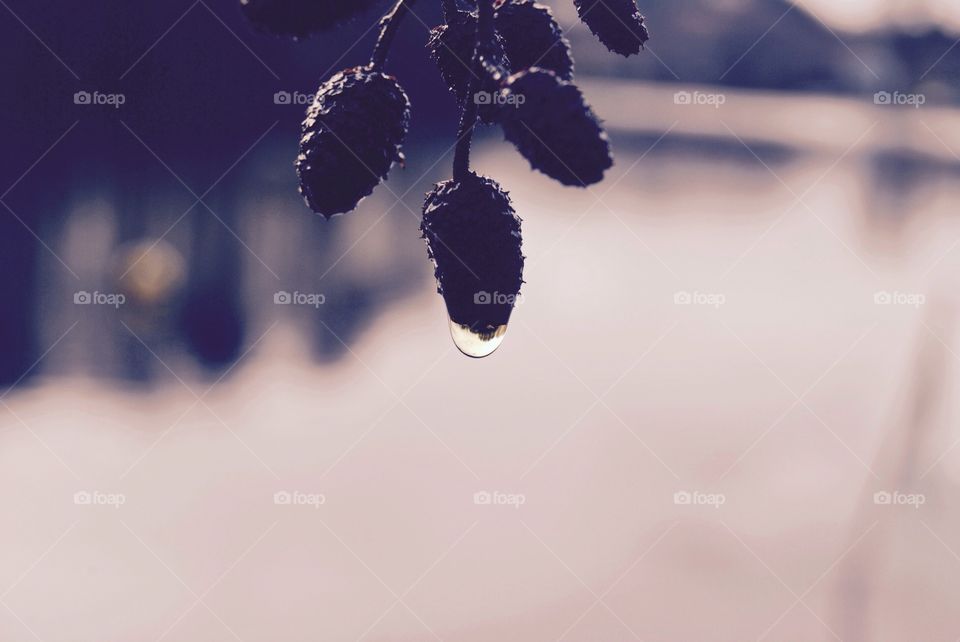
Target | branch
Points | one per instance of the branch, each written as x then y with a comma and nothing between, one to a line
468,117
389,24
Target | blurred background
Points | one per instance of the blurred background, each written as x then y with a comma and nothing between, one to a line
724,409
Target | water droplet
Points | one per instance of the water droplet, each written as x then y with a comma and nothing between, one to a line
477,343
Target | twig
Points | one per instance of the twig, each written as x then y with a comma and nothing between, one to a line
468,116
389,24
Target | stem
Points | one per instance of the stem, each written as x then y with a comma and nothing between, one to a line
468,119
468,116
389,24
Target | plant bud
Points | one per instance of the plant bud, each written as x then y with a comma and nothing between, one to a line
473,238
617,23
352,135
452,46
532,38
551,125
